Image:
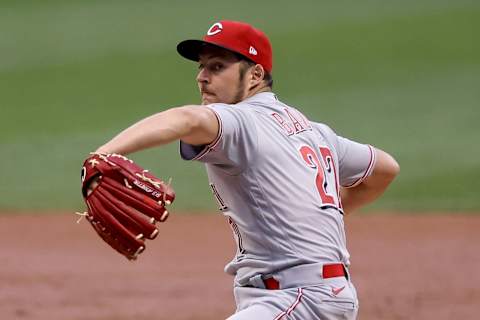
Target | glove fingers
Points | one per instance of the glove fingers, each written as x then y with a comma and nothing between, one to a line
138,201
108,238
118,244
102,232
116,235
134,221
107,235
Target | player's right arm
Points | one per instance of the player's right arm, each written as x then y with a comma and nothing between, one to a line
384,172
195,125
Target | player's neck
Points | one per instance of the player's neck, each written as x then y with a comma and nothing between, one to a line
258,89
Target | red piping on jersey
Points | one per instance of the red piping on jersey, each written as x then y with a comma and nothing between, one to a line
292,307
368,171
214,143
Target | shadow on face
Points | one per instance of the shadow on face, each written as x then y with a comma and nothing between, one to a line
211,51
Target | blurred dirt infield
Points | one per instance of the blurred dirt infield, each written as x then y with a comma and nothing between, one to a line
404,267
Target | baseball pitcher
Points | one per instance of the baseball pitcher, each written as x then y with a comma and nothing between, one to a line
283,182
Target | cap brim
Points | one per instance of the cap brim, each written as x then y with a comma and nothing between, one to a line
190,49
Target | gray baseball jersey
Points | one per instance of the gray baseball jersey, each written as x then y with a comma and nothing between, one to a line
276,176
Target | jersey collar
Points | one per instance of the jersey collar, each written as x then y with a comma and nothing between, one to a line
261,97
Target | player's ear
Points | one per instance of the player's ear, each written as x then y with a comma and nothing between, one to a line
257,75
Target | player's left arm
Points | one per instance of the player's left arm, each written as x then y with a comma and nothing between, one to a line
196,125
384,172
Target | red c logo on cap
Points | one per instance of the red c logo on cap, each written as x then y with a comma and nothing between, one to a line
216,28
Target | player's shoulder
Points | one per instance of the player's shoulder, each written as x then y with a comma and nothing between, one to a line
323,128
325,133
258,102
249,108
233,115
235,110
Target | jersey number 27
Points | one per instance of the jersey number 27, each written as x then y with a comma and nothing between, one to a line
323,167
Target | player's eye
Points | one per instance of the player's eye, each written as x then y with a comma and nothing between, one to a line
216,67
200,67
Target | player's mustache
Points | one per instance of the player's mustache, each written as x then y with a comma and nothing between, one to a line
205,90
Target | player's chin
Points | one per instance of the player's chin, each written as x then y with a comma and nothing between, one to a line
208,99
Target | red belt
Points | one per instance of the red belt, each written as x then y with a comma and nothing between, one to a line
328,271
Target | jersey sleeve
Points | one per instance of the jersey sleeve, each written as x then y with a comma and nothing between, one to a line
235,144
355,160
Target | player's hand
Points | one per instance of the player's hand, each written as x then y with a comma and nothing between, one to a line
92,186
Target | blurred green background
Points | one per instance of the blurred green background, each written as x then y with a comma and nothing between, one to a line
401,75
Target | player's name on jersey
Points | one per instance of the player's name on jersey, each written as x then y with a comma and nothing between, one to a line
292,121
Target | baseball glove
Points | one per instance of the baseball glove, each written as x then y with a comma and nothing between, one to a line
124,202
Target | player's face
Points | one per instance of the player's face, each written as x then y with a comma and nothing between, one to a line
220,77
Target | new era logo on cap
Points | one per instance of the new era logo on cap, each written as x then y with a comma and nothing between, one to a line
239,37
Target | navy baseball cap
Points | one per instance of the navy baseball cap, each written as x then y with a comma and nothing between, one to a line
235,36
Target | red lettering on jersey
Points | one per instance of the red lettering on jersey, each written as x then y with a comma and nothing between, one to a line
306,122
311,158
296,124
285,125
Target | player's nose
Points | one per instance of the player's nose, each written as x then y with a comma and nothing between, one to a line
202,76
